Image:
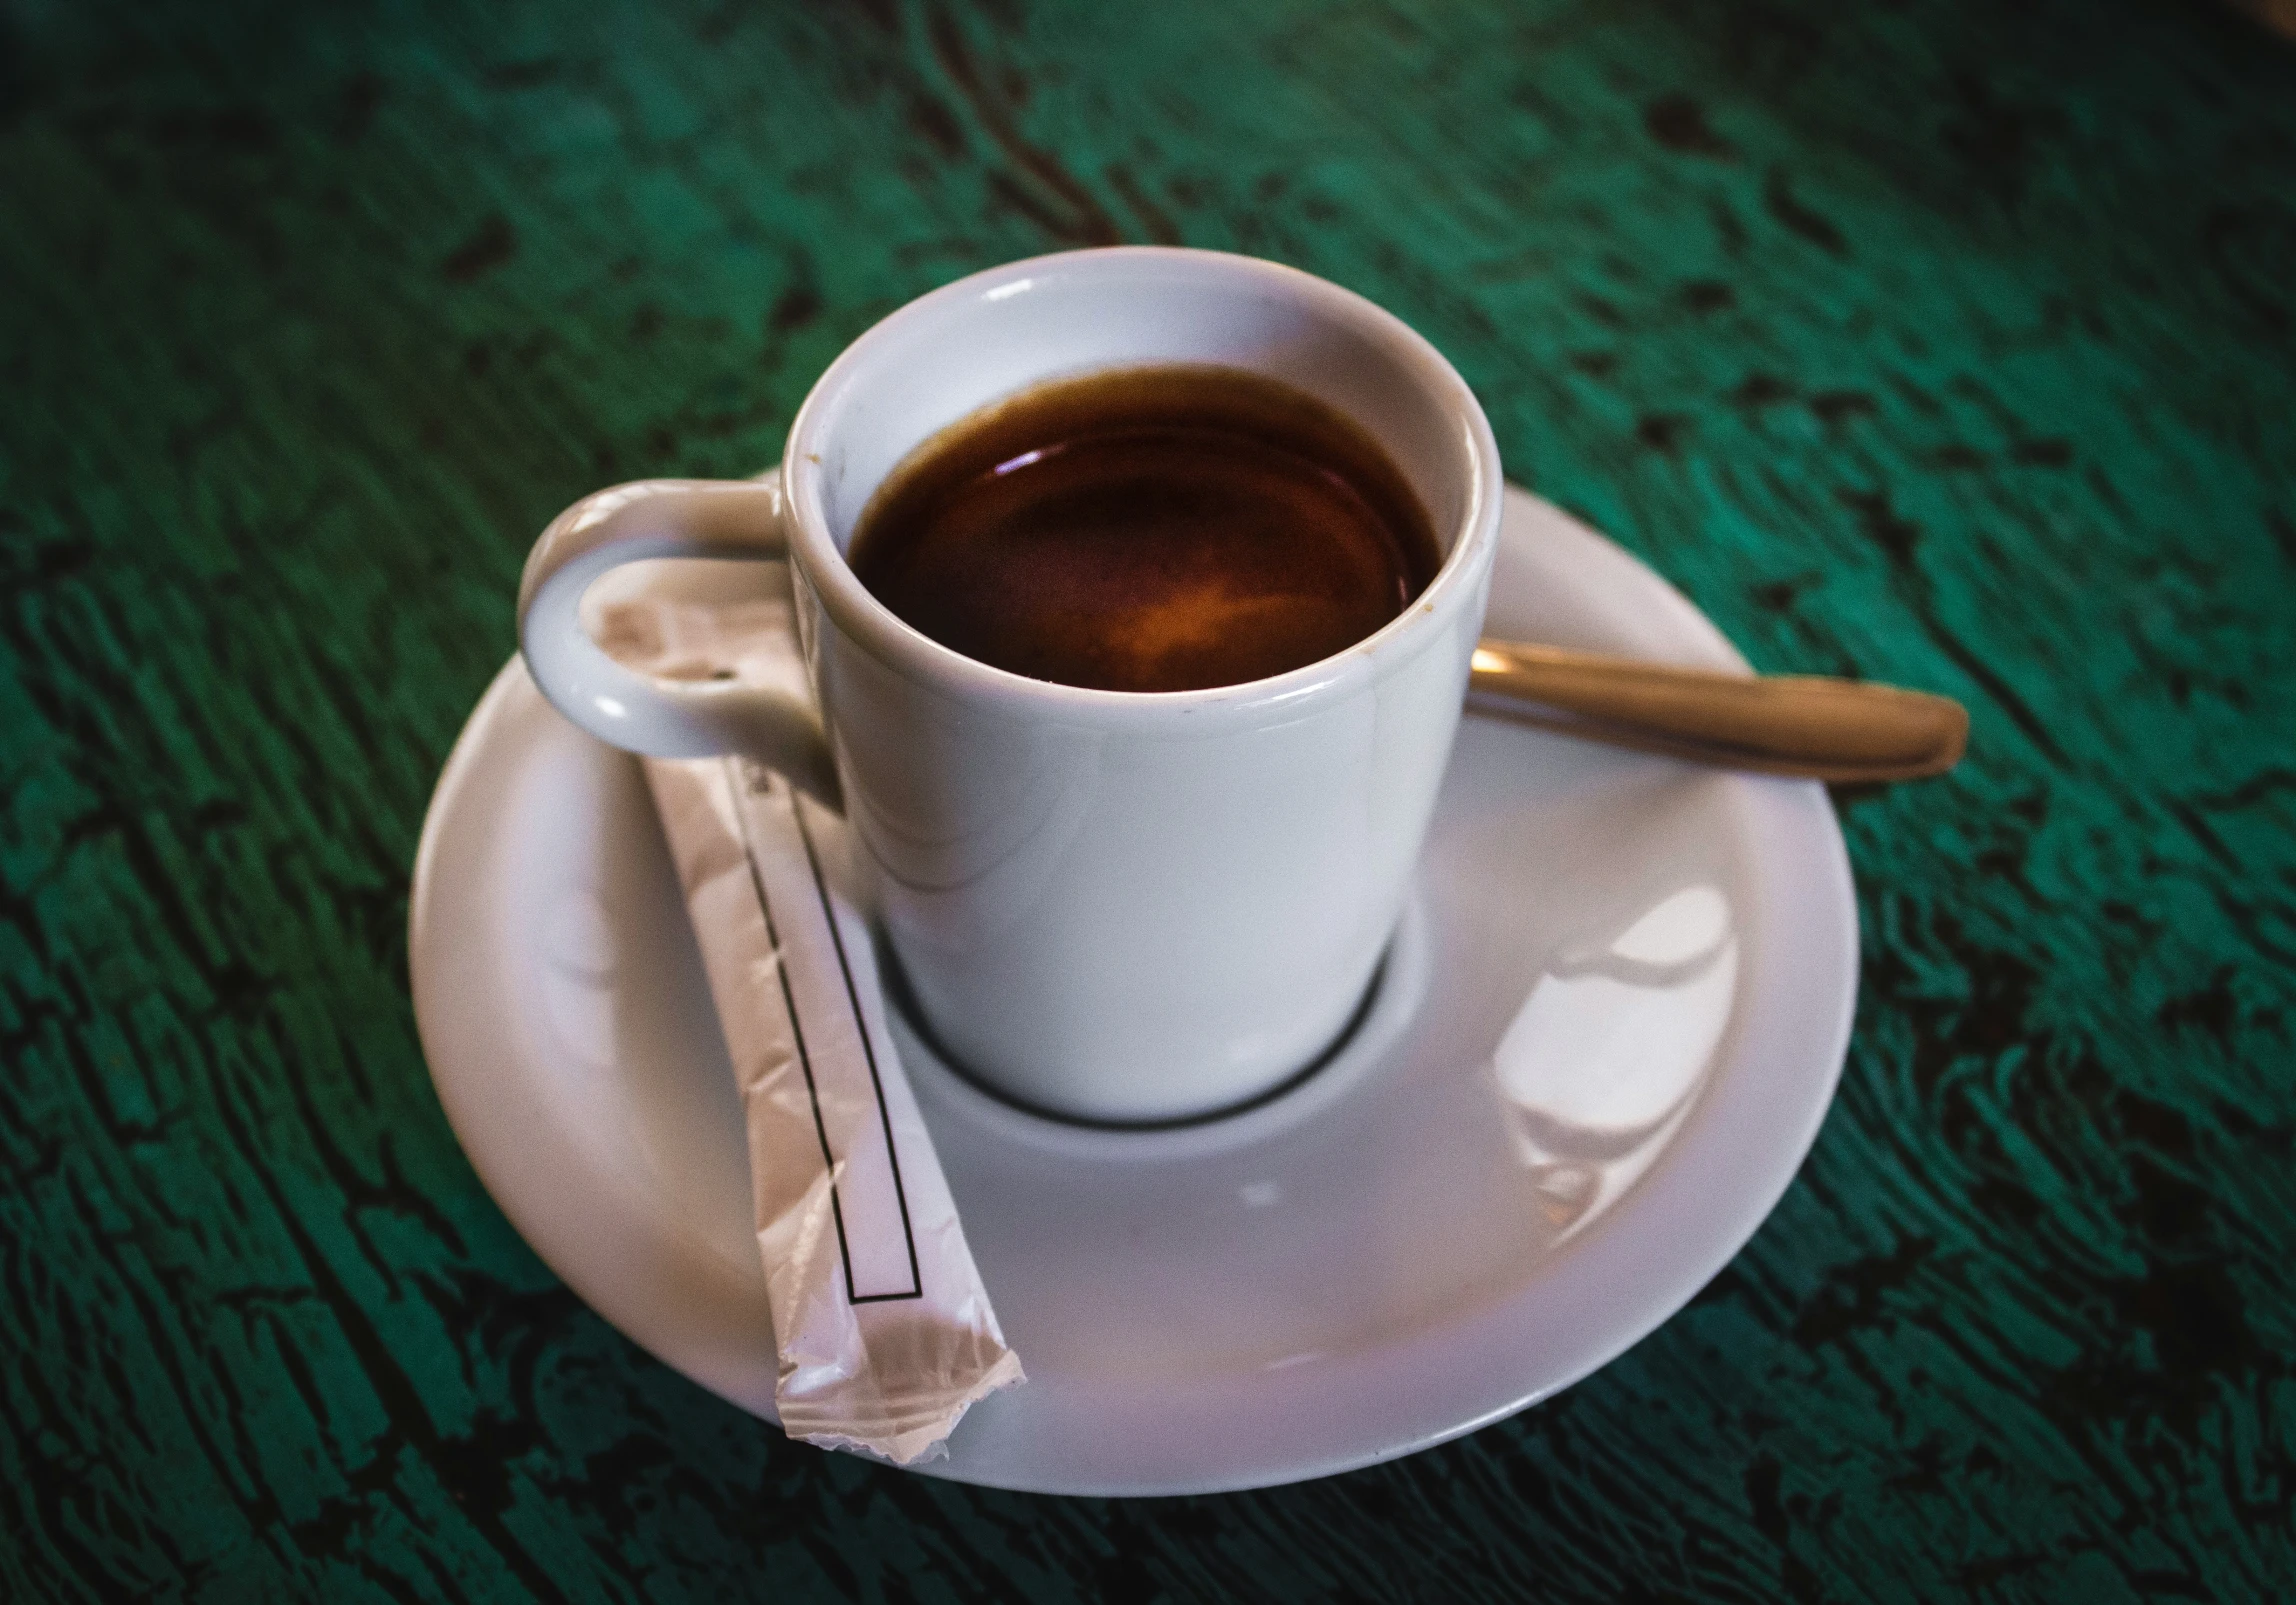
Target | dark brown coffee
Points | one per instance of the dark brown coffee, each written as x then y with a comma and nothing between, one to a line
1148,529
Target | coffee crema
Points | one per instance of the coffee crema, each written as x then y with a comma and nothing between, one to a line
1148,529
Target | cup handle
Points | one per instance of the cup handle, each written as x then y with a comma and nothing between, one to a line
650,518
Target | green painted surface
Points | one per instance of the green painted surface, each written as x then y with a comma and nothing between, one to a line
1935,342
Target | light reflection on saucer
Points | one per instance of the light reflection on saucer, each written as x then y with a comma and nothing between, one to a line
1605,1055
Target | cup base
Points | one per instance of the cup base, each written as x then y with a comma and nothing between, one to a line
1388,1002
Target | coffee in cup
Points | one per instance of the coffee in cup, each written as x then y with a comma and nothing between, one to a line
1148,529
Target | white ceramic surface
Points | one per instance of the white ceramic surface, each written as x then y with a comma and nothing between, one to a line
1600,1047
1191,889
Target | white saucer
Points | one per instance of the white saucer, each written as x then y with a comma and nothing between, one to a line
1603,1042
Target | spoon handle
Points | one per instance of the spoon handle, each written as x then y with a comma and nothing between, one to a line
1801,725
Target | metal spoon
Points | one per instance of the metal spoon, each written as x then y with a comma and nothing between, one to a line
1844,731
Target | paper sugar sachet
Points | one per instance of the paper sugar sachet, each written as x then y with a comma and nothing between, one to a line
885,1334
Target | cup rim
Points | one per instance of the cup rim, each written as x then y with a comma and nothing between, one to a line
910,652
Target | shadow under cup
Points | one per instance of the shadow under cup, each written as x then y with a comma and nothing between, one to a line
1133,907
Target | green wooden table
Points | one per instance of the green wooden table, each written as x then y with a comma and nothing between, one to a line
1938,342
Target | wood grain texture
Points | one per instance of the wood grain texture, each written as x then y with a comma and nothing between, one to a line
1946,344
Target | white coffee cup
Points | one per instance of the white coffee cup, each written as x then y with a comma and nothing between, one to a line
1112,906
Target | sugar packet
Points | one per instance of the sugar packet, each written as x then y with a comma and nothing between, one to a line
885,1334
